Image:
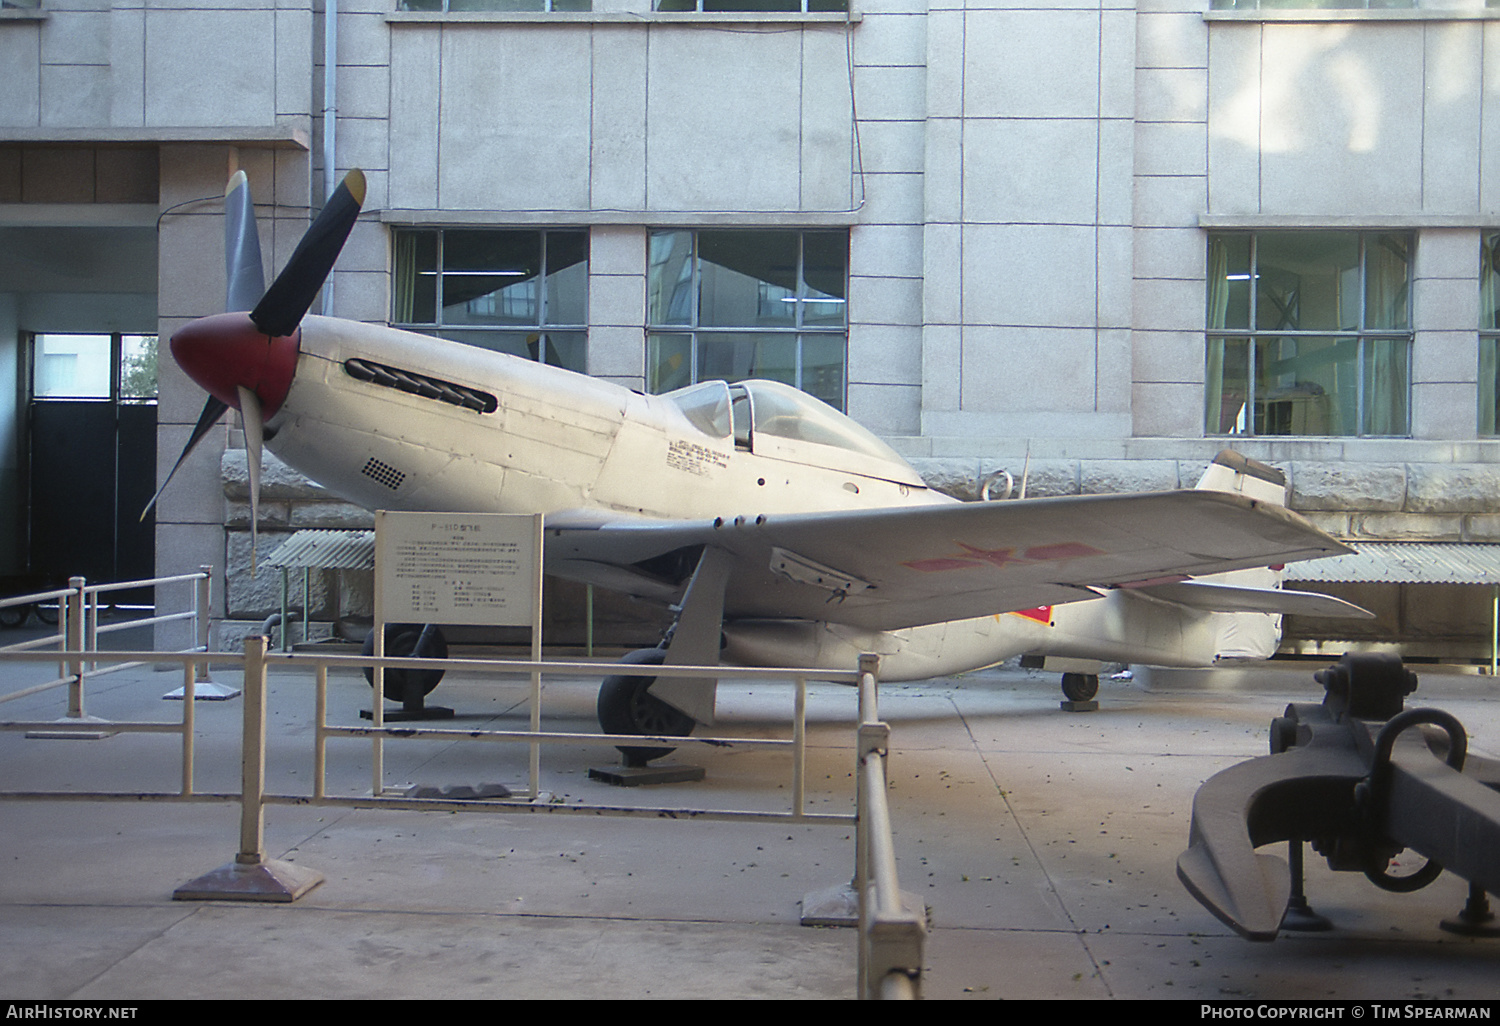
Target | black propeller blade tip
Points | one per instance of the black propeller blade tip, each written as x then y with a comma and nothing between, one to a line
286,302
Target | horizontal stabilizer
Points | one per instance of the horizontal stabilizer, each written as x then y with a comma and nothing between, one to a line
1229,598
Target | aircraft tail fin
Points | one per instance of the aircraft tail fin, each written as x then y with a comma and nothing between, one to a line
1240,475
1251,602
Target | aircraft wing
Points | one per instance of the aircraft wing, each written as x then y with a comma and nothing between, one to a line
884,569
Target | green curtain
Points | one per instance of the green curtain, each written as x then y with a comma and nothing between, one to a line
1218,309
1489,321
1385,387
406,277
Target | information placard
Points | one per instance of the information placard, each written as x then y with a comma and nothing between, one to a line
457,568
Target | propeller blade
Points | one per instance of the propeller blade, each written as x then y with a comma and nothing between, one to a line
212,411
245,279
254,437
285,303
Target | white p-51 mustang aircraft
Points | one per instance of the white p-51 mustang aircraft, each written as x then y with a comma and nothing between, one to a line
783,532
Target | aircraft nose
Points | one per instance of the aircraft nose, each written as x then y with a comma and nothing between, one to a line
226,352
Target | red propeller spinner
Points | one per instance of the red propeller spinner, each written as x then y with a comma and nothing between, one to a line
225,352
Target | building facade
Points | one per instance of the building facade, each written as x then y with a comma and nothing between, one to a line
1100,241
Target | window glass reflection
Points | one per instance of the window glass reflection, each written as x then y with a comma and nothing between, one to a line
1327,349
517,291
748,303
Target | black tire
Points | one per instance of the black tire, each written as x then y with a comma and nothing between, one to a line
1377,871
401,640
14,616
48,614
625,707
1080,687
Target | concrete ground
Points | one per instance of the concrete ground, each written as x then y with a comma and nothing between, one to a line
1043,843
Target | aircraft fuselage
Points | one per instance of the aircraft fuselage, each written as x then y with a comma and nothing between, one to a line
554,440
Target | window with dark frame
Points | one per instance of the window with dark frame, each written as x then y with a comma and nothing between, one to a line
733,304
1309,333
512,290
112,365
1489,333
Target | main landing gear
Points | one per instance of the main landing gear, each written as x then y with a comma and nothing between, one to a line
625,706
410,687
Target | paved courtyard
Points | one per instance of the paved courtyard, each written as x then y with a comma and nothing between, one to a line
1043,843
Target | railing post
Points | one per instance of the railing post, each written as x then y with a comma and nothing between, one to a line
70,635
285,639
253,756
200,614
890,934
204,686
73,610
839,905
62,633
91,626
799,748
251,876
189,727
873,736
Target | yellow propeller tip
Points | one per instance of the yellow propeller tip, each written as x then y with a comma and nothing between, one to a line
354,181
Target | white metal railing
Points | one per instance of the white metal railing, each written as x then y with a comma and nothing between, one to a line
891,937
78,632
84,726
378,732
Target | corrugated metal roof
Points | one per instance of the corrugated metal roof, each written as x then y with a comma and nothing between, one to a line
326,550
1405,563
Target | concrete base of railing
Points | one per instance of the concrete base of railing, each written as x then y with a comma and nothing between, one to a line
839,906
204,691
832,906
271,880
75,728
636,776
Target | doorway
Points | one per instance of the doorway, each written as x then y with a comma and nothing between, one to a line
91,442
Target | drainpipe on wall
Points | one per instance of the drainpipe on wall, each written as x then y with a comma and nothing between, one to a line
330,119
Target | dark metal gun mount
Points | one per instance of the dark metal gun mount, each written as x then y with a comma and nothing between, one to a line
1350,777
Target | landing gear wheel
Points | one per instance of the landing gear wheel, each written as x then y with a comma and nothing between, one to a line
625,707
14,616
401,640
1080,687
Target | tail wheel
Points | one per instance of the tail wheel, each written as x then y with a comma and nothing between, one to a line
625,706
1080,687
401,639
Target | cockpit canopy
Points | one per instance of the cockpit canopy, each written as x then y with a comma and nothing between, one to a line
776,420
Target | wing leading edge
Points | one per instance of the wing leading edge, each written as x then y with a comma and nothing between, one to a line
885,569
